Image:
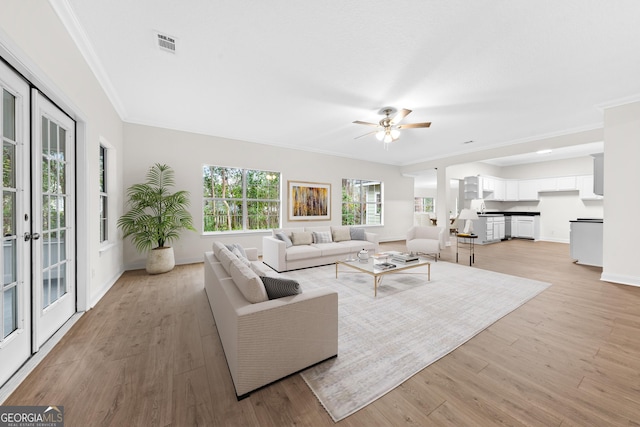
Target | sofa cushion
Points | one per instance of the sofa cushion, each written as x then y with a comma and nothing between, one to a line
216,246
340,234
322,237
357,245
225,256
278,287
357,233
248,282
261,269
328,249
301,238
302,252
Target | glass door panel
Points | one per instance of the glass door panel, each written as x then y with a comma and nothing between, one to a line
53,235
15,294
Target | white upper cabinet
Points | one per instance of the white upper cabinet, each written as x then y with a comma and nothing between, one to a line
511,190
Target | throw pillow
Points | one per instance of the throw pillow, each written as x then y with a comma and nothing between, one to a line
341,235
234,246
322,237
357,233
302,238
285,239
241,257
278,287
248,282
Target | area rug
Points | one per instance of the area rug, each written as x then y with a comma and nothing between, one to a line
385,340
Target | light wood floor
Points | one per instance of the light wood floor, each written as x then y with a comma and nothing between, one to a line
149,354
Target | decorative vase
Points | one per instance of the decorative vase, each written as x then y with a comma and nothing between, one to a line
160,260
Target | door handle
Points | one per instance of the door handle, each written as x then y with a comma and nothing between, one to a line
28,236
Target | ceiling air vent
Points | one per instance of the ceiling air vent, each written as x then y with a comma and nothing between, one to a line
166,43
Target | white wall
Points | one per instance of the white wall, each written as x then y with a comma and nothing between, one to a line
34,41
621,196
187,152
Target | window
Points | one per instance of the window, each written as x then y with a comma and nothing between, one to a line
240,199
104,211
423,204
361,202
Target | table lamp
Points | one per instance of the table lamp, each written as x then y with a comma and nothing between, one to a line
468,215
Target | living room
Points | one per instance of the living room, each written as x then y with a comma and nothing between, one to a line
135,145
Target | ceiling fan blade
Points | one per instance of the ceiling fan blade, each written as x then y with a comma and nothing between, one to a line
415,125
401,115
366,134
358,122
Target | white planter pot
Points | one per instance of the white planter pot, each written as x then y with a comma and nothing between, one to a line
160,260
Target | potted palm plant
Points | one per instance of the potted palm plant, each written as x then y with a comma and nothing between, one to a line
156,217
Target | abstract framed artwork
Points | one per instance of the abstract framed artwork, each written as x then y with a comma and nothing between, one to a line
309,201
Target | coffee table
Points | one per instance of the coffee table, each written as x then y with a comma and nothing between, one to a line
372,267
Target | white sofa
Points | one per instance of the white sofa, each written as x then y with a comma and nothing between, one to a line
282,256
266,340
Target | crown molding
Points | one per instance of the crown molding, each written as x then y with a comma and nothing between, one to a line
69,20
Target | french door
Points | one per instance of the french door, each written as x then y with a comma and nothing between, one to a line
15,298
38,235
53,233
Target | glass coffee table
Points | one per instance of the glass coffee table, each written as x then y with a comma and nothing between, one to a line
378,267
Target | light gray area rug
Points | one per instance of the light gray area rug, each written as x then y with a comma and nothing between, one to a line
412,323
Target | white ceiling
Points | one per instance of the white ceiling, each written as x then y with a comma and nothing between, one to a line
298,73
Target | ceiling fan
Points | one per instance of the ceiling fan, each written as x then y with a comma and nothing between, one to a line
388,128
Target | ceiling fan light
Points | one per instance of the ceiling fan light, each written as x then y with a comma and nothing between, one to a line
388,138
395,134
380,135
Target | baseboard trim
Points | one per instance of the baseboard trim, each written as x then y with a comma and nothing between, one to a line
620,279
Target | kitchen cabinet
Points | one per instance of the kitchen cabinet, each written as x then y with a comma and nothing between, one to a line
525,227
528,189
598,174
586,186
489,228
511,190
586,241
472,187
499,189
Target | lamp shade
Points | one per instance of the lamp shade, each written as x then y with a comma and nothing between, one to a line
468,214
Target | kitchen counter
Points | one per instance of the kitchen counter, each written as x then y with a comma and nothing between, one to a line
513,213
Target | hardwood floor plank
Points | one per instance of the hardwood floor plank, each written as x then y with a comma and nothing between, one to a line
149,354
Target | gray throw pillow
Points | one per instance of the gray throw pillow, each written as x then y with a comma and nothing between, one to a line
357,233
240,249
278,287
285,239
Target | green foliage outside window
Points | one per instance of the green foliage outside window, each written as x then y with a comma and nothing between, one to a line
361,202
240,199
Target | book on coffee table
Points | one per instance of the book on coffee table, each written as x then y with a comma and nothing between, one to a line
385,266
405,257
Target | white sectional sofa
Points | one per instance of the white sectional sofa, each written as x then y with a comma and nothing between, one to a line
284,251
266,339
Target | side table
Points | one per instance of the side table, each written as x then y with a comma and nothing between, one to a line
469,240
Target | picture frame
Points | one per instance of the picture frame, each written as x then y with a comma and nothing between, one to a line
309,201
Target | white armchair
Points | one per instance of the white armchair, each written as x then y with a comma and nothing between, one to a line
426,240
